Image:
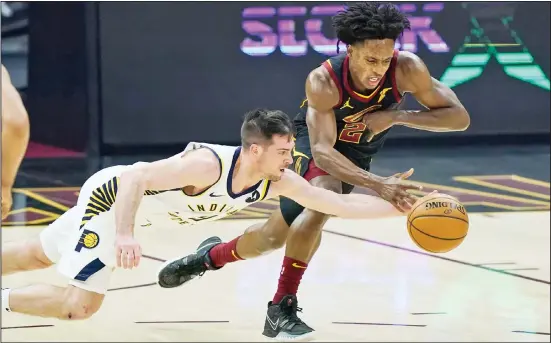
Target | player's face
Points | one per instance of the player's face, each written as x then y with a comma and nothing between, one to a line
276,157
369,61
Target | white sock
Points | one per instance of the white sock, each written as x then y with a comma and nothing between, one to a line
6,299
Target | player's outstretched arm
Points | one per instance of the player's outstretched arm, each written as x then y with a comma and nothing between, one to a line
198,168
322,94
318,199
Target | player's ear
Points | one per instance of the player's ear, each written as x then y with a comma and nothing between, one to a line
255,149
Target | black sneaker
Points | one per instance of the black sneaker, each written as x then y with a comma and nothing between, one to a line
176,272
283,324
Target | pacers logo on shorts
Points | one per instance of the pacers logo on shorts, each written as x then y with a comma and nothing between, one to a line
88,240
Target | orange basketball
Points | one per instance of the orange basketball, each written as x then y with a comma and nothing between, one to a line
438,223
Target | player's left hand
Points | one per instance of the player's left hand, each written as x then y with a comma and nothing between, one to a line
378,122
128,251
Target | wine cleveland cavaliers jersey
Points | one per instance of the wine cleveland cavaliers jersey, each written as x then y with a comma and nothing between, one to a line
353,106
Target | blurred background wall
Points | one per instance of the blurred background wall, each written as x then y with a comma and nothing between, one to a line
117,77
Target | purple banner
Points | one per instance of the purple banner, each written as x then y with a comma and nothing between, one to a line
266,35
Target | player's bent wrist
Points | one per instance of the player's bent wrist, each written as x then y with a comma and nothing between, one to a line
374,182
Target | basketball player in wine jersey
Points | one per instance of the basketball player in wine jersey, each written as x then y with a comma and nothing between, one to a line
351,104
205,183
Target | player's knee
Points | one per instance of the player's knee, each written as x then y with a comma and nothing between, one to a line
276,241
274,233
79,304
78,310
313,221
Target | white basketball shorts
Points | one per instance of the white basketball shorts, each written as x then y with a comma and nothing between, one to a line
82,240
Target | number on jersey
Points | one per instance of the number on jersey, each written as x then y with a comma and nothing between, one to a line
352,133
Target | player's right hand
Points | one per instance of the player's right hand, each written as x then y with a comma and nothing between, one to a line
128,251
394,190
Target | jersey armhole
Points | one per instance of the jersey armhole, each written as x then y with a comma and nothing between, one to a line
393,66
327,65
220,164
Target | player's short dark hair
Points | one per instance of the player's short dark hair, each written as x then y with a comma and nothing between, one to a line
260,125
369,20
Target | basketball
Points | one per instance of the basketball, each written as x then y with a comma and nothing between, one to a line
438,223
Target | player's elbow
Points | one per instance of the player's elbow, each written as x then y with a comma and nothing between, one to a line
321,154
136,174
462,120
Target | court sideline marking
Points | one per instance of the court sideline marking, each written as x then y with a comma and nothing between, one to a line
437,256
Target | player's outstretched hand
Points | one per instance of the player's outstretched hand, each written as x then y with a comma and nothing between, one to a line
394,190
128,251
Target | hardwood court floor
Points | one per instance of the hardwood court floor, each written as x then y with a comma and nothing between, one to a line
368,282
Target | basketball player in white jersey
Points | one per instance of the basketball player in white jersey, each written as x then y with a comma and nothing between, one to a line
204,183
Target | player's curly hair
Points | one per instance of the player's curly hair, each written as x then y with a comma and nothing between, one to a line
369,20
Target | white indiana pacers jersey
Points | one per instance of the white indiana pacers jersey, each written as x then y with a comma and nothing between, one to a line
175,208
